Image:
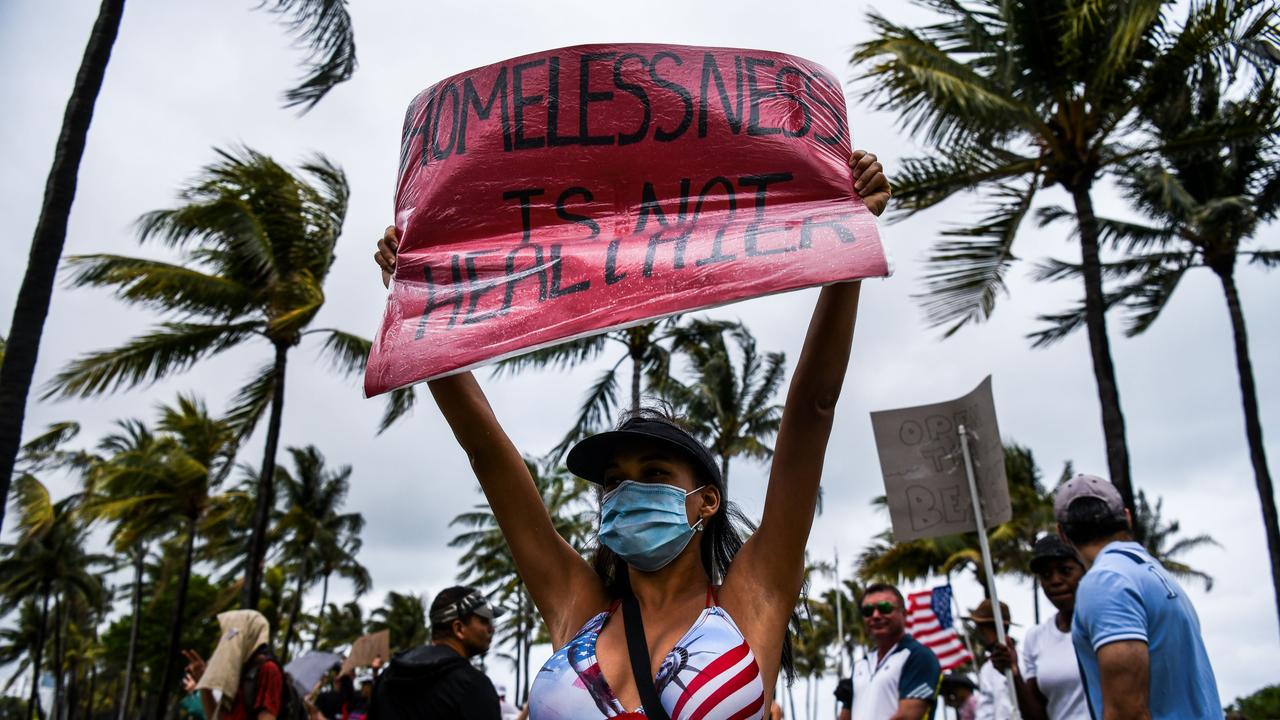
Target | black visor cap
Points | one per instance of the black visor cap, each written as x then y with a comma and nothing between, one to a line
589,458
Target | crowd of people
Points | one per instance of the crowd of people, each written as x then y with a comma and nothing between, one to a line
1124,643
659,625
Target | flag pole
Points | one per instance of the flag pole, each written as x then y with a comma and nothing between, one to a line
985,548
839,624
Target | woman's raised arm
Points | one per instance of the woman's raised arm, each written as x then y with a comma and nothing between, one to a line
773,559
563,586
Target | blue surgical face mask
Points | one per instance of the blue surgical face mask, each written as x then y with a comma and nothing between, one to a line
645,523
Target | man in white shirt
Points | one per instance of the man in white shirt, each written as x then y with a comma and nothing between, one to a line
1045,669
899,679
994,699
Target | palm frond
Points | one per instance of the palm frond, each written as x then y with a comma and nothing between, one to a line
324,27
36,512
559,357
1060,325
172,347
1128,237
399,404
926,181
252,402
931,91
49,440
1148,297
1265,258
966,276
160,285
597,407
345,351
234,234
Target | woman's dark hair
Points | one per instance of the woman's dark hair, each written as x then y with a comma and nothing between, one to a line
722,537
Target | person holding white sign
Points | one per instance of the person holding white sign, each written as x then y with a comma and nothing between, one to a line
664,624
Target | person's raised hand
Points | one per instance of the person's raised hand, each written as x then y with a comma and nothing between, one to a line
1004,657
385,255
869,181
195,665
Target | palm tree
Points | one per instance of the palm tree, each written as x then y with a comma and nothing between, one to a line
131,439
18,642
1015,95
323,26
644,345
728,407
259,243
339,625
1164,545
487,562
315,536
169,483
405,616
1206,206
48,561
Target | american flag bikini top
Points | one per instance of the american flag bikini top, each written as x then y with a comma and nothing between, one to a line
710,674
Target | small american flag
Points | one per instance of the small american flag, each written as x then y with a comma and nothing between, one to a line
929,622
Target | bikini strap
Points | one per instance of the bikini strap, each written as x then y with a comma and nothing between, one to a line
713,596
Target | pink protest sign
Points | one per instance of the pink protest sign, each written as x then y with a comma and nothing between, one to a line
569,192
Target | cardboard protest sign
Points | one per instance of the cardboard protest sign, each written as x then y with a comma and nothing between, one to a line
561,194
366,648
923,467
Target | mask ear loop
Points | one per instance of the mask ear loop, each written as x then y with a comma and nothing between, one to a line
698,526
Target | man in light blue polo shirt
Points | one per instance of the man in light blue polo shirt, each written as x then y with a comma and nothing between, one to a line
1136,634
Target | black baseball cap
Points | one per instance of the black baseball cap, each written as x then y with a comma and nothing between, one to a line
472,603
1051,547
589,458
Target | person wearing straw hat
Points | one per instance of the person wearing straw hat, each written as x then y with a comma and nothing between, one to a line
1135,631
994,699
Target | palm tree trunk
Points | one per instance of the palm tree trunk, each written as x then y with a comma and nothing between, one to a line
1253,428
1104,370
161,707
635,382
32,306
791,699
93,688
139,561
266,487
293,615
39,656
59,611
324,599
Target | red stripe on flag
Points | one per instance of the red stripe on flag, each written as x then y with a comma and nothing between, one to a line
708,673
730,686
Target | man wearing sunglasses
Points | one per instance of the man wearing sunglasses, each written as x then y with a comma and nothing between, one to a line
899,680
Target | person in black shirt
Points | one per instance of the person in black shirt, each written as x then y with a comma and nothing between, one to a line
438,680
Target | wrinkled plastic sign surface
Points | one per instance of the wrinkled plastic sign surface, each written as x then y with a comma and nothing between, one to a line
561,194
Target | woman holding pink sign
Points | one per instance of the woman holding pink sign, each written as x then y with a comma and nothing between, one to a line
703,624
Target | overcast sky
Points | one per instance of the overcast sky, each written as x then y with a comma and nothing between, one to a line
187,77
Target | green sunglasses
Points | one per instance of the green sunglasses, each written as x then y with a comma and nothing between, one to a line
884,606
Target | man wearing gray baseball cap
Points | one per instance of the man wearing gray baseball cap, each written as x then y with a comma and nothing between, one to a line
1135,632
